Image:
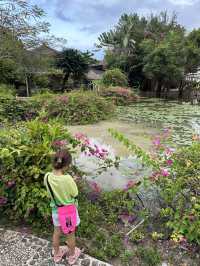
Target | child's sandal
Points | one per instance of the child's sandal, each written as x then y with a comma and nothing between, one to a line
58,257
72,259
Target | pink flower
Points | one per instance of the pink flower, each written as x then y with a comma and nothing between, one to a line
59,143
169,162
95,187
79,136
10,183
169,151
3,200
154,176
130,184
156,141
164,172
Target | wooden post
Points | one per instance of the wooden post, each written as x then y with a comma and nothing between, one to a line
27,87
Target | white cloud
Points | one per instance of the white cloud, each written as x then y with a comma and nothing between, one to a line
183,2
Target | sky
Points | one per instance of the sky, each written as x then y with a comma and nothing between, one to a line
82,21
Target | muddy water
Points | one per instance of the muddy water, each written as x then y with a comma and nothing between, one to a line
138,133
130,168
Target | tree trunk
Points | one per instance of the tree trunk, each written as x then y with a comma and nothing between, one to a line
180,91
158,89
166,91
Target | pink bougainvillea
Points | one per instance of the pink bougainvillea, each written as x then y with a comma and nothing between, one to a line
90,148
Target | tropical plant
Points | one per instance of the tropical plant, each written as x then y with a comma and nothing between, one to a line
74,63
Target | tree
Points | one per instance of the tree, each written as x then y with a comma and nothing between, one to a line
73,63
143,30
22,22
114,77
22,28
164,61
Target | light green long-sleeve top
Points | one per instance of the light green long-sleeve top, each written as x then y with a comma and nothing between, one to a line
64,188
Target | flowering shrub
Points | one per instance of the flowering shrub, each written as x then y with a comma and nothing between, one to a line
74,108
181,193
177,175
90,148
14,110
119,95
25,156
79,108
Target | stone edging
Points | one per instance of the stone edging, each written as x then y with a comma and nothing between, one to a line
21,249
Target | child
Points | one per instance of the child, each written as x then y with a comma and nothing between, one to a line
63,191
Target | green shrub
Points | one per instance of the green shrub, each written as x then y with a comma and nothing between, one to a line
41,81
6,91
114,77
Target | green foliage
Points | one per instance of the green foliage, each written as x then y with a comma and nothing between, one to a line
127,258
164,61
99,217
181,191
136,236
13,110
114,77
74,63
25,156
193,50
9,71
6,92
23,20
154,51
149,256
41,81
132,33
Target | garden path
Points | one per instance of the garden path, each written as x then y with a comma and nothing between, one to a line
21,249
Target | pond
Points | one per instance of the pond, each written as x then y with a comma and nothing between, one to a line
183,119
139,122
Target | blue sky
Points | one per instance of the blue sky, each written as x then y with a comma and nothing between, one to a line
81,21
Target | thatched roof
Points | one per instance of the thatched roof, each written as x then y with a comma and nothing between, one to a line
45,50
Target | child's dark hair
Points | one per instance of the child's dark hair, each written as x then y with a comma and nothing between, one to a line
62,159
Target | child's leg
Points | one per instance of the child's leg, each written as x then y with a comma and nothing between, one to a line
71,242
56,239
